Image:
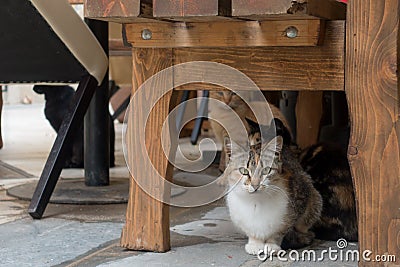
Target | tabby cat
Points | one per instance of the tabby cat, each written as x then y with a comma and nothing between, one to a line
330,171
274,205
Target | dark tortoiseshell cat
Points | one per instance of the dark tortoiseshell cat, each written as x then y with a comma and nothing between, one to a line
328,166
274,205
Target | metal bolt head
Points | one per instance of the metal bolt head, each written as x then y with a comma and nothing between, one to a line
147,34
291,32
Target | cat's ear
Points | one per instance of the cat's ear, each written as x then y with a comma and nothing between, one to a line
253,126
281,130
38,89
275,145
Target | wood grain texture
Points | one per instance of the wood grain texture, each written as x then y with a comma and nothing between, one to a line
182,8
109,9
257,9
394,237
147,220
225,34
308,117
282,68
260,7
372,88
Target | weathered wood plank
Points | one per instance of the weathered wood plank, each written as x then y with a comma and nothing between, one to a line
260,7
283,68
372,88
147,219
191,8
257,9
224,34
114,9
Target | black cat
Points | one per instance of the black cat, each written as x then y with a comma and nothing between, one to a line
58,99
330,171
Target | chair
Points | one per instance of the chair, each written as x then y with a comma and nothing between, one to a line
45,41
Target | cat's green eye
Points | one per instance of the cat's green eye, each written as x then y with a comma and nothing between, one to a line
265,171
244,171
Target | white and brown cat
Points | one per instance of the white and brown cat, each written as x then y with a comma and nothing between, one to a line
271,199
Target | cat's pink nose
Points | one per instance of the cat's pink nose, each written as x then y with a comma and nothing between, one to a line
255,183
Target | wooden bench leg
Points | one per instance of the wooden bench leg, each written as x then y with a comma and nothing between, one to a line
372,88
147,219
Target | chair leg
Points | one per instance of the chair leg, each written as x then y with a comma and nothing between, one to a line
201,116
56,159
182,108
124,105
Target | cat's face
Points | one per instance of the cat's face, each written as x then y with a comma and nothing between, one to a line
258,168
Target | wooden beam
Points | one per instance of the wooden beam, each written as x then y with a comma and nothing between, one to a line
372,89
118,9
224,34
191,8
147,219
259,9
326,9
281,68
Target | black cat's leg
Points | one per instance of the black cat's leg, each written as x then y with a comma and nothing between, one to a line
77,155
56,159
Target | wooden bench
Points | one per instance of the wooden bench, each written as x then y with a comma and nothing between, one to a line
358,55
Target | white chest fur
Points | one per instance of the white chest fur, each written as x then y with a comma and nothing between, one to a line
258,215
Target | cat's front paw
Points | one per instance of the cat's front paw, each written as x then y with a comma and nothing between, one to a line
254,248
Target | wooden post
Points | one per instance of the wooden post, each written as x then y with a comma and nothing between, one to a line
308,117
147,219
372,88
